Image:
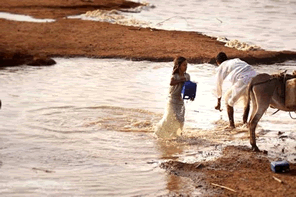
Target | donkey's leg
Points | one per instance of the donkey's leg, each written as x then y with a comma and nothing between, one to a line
262,107
261,95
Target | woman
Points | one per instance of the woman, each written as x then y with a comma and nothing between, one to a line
172,123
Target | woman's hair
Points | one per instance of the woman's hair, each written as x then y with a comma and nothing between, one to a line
177,63
221,57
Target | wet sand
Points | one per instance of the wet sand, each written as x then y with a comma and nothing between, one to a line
247,173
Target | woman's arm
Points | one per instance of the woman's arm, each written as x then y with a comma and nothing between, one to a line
175,81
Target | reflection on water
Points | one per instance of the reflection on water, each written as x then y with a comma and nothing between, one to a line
85,127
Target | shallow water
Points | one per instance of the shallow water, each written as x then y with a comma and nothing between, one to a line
271,24
85,127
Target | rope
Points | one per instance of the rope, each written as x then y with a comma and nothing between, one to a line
275,112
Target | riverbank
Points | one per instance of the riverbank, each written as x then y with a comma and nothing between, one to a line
36,43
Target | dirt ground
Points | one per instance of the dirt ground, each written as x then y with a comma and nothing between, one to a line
247,173
239,171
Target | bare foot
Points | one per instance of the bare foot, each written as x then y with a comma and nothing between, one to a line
255,148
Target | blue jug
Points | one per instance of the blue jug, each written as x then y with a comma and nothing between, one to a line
280,166
188,90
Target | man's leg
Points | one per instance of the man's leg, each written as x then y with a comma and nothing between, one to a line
230,116
230,111
240,91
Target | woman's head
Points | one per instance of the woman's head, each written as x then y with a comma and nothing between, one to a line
180,65
221,57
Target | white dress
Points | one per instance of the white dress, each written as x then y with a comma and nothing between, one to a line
171,125
239,73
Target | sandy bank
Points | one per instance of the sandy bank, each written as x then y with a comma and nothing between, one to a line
27,42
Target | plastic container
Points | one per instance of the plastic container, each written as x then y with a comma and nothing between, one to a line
290,99
280,166
189,90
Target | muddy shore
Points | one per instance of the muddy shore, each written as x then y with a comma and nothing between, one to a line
36,43
246,172
240,172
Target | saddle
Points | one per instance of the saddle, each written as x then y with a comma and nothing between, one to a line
282,78
286,88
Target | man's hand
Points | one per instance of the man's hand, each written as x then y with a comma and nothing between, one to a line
218,107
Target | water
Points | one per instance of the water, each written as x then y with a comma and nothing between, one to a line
270,24
22,18
84,127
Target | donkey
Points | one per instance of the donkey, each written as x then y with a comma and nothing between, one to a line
265,91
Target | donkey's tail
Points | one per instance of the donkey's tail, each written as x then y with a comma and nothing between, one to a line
247,104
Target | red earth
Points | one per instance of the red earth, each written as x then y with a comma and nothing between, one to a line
33,43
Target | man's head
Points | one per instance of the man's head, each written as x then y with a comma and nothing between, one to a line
221,57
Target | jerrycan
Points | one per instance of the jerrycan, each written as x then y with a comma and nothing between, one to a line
290,100
280,166
188,90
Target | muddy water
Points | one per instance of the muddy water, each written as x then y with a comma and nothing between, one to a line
84,127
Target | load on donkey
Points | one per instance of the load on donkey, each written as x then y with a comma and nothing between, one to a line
276,91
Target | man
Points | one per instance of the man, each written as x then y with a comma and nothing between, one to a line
239,73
